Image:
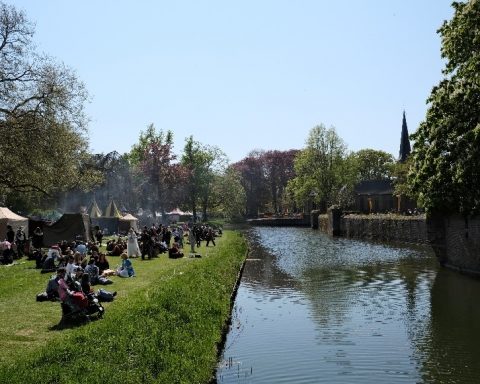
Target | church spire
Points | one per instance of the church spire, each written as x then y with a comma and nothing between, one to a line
404,142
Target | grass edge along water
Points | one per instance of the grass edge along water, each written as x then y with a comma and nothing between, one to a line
165,332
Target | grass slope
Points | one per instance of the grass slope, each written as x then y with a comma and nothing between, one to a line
162,328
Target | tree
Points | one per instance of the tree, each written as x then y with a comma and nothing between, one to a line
252,177
445,173
279,169
371,164
320,168
42,119
153,156
231,195
201,162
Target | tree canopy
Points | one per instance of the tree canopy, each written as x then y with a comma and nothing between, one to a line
320,168
42,120
445,173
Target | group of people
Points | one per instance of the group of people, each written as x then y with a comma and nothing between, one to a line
167,239
15,244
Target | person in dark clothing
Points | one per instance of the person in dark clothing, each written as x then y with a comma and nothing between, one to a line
10,234
20,240
174,252
37,238
210,236
102,263
99,236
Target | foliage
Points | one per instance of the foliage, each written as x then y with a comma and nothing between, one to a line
321,168
254,183
42,119
279,169
153,156
163,326
371,164
202,163
232,198
446,153
264,176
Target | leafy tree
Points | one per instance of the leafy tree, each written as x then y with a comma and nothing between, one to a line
279,169
118,180
152,156
230,193
42,119
252,177
446,154
201,163
371,164
320,168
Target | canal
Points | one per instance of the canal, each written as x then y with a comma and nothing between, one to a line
316,309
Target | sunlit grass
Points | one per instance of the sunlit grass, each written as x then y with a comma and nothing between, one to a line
163,326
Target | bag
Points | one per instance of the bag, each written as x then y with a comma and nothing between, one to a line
104,295
79,299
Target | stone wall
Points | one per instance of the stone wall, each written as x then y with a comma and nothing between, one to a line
456,242
323,222
406,229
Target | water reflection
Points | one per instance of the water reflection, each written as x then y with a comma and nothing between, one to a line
315,309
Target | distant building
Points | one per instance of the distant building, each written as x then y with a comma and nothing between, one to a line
373,196
377,196
405,148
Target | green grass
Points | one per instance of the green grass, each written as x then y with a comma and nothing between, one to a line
163,327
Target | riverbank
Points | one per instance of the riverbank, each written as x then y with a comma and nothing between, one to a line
164,325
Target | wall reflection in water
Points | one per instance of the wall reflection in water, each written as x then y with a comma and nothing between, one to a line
315,309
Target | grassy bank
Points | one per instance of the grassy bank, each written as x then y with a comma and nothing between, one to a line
163,326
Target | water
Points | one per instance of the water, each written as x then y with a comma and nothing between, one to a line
313,309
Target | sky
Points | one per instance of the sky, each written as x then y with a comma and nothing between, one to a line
250,74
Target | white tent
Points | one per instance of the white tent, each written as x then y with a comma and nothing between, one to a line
7,217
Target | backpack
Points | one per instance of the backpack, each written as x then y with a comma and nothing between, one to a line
104,295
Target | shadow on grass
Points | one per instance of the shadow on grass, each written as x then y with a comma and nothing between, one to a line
76,323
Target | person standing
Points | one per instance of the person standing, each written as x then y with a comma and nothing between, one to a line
37,238
10,234
20,240
133,250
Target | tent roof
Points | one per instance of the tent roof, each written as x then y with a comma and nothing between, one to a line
175,211
6,213
112,210
129,216
94,210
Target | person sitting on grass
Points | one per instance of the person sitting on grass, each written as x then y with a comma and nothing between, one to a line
174,251
64,293
116,250
94,273
49,263
102,263
85,283
126,270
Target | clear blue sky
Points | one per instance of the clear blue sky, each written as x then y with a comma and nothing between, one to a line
246,75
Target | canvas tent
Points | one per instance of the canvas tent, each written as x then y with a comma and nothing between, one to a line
7,217
109,222
69,227
126,222
94,211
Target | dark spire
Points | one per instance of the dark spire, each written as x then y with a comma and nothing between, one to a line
404,141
